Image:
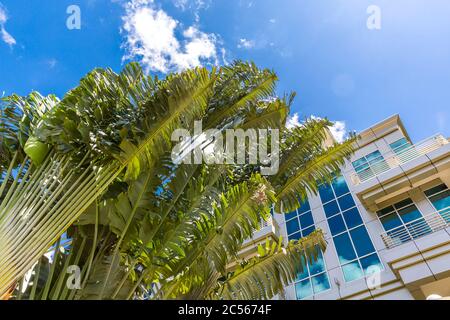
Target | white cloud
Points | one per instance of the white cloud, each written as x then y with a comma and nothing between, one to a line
245,43
6,37
191,4
151,37
292,121
272,20
338,130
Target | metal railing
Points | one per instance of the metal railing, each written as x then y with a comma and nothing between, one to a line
417,228
393,159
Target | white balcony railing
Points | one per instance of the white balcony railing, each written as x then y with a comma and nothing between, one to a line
393,159
417,228
267,228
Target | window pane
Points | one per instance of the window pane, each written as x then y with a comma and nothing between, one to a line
344,248
441,201
331,208
360,164
295,236
320,283
346,202
340,186
371,264
336,224
304,273
292,226
419,228
318,266
290,215
303,289
308,230
386,210
304,207
306,220
399,235
400,145
409,213
326,193
391,221
403,203
361,240
435,190
352,218
374,157
352,271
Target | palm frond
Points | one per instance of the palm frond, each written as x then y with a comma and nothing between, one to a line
275,267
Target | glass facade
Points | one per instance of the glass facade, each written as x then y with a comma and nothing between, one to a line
314,278
439,196
353,245
299,223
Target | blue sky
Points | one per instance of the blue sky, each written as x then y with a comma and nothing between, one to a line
320,48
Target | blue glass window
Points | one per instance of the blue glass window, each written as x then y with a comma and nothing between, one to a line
308,230
292,226
318,266
370,165
371,261
363,163
361,240
360,164
303,289
336,224
340,186
350,237
331,208
441,201
304,273
401,216
320,283
304,207
409,213
306,220
352,271
326,193
346,202
400,145
295,236
352,218
290,215
344,248
440,198
390,221
313,279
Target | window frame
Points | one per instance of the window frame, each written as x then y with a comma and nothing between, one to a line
362,223
301,228
403,224
309,278
435,194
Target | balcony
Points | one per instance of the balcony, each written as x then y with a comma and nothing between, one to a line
417,228
268,229
391,159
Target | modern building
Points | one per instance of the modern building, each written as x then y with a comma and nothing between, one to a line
386,220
